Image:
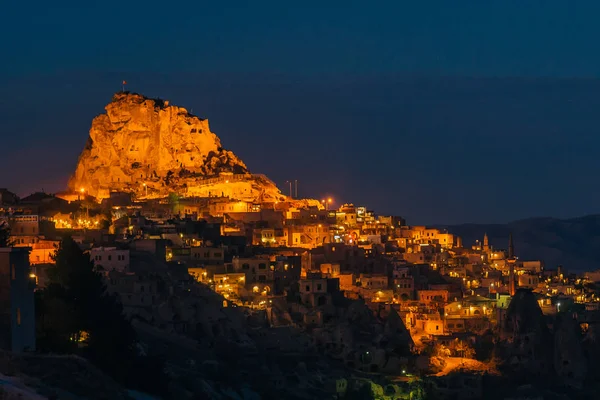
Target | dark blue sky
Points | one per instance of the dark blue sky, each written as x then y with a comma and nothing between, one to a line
441,111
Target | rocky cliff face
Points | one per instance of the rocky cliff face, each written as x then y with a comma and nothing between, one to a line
570,362
528,346
149,147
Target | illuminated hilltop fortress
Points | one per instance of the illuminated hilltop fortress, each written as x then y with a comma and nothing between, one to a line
151,148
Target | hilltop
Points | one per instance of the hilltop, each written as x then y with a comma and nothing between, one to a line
151,148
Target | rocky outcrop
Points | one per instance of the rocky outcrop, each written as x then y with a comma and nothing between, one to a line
570,362
151,148
528,340
395,335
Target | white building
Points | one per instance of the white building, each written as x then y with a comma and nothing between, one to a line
110,258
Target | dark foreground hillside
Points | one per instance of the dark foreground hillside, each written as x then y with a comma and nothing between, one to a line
55,377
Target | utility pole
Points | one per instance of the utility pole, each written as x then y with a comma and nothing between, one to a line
290,182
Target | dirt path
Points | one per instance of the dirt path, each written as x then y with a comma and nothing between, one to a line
457,363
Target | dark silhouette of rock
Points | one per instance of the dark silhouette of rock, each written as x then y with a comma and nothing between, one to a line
396,335
527,339
591,344
569,359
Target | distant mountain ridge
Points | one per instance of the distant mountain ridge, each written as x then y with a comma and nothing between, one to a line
573,243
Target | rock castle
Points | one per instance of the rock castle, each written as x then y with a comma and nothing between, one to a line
150,148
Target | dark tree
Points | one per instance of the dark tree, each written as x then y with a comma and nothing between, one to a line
77,315
364,392
5,240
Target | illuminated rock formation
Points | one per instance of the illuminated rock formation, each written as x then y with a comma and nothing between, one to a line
148,147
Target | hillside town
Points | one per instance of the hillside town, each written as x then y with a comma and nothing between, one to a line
175,270
379,300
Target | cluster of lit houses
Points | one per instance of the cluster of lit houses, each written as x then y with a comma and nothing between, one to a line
258,255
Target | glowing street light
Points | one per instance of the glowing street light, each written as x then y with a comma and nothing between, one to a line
146,187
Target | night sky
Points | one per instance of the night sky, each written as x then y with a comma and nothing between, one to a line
440,111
